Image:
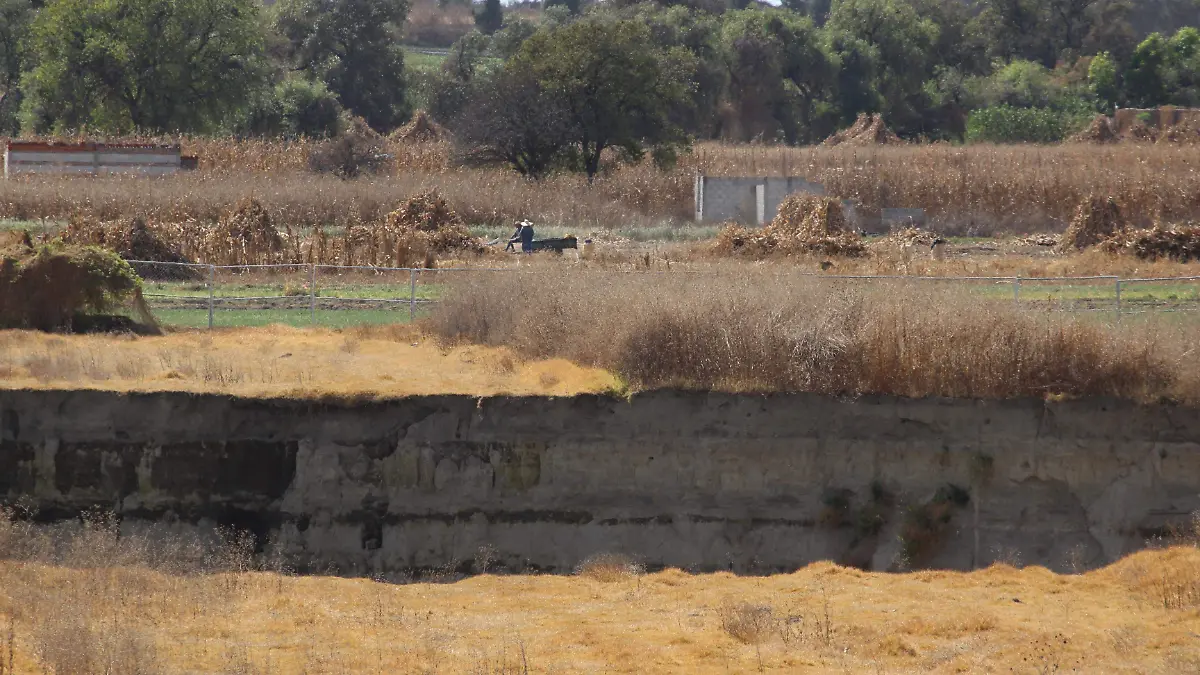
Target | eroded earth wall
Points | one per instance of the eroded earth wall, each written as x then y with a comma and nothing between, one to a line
699,481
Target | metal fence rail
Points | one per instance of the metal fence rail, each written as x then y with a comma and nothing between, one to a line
305,290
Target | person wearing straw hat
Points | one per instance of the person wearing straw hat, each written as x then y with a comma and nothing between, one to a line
524,234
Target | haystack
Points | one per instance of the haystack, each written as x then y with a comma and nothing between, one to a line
1180,244
1096,219
1099,131
54,286
805,224
422,227
1040,240
132,239
910,236
866,130
420,129
244,236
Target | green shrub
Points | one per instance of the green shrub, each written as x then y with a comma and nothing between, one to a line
47,287
1006,124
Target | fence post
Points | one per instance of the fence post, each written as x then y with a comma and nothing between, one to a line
1118,297
212,282
412,294
1017,290
312,294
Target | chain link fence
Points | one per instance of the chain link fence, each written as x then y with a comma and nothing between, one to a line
191,295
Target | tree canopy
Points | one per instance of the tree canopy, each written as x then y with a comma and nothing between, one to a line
353,46
618,88
148,65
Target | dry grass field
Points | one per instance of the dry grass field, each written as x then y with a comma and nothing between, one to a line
762,328
80,601
280,361
974,189
86,600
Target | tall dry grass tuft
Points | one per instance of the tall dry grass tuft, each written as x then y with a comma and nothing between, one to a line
763,330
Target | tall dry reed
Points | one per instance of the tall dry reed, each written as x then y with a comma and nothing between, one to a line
760,330
972,189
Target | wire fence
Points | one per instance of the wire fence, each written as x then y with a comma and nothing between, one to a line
187,294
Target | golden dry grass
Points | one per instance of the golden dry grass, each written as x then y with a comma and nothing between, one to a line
281,361
765,328
821,619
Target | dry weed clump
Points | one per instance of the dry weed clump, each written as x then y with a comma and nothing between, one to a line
1180,243
1096,219
768,330
244,236
805,224
868,129
609,568
134,239
423,227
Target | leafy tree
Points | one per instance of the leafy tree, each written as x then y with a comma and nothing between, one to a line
618,88
1144,79
354,47
1102,80
779,75
491,18
700,34
151,65
508,40
903,43
1018,30
571,5
857,66
512,120
15,17
465,56
296,107
1112,31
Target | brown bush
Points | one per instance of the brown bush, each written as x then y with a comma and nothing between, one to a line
1096,219
805,224
771,330
47,287
609,568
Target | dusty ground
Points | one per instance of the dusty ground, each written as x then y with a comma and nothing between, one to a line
279,361
1141,615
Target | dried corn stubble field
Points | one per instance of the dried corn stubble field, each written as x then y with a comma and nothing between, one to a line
83,602
280,361
976,189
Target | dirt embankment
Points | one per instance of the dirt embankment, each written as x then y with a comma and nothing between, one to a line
692,480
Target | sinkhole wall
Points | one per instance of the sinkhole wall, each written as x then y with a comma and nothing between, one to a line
700,481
